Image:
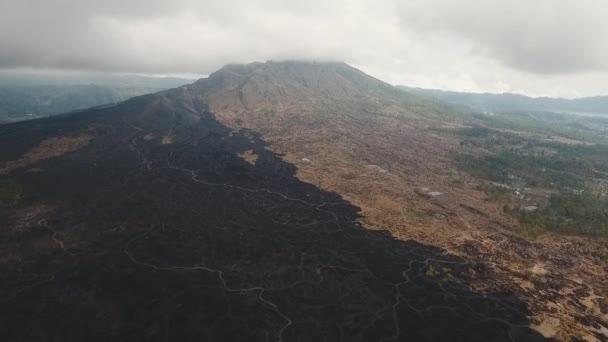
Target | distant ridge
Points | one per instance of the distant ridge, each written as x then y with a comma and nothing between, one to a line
28,96
516,102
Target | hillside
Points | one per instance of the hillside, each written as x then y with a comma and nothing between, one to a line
273,201
514,102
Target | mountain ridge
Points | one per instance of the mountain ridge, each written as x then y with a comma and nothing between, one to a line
24,96
518,102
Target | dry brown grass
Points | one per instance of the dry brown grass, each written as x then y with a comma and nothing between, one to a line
49,148
249,156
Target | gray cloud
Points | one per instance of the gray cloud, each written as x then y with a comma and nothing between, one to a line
540,36
158,35
554,47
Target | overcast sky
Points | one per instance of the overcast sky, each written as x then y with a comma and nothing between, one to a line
536,47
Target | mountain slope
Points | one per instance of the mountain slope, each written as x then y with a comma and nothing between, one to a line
267,202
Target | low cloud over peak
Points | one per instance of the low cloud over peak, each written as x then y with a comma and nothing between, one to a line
544,47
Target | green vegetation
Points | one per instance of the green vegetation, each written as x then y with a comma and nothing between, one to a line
488,167
578,209
441,274
510,167
496,192
538,161
567,126
576,172
587,158
489,138
584,213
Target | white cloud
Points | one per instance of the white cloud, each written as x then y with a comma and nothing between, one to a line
540,36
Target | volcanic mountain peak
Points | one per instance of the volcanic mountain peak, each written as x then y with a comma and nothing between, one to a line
272,93
297,70
293,79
